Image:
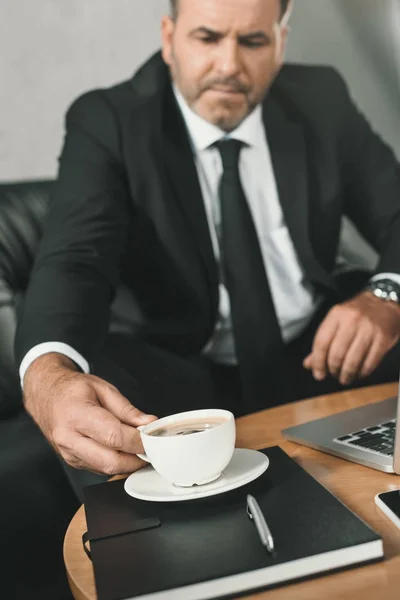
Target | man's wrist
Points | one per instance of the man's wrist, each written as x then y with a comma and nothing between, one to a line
49,363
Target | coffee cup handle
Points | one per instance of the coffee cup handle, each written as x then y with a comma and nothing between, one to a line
142,456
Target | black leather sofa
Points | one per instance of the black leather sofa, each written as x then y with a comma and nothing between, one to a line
36,499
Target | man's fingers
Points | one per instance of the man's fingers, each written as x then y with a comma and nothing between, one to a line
339,348
374,357
307,362
355,357
322,343
113,401
88,454
103,427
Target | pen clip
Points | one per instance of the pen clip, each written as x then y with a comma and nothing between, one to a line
249,513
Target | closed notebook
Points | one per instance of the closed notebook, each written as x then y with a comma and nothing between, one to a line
210,548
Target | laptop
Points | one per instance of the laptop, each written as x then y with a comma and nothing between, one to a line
365,435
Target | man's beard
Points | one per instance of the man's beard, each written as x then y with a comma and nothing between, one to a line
229,121
225,122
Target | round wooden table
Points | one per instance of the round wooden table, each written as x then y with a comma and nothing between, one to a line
353,484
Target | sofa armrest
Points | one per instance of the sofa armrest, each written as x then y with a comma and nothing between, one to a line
23,209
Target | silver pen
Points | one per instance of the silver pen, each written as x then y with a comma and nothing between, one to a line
255,513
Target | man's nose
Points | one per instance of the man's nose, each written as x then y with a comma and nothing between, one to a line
228,59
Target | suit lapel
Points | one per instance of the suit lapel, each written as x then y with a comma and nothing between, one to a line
287,144
183,178
164,183
161,124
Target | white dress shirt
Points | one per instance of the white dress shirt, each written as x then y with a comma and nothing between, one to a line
294,299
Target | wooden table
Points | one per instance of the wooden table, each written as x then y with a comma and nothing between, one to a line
355,485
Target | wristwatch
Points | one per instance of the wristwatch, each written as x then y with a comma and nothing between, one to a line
385,289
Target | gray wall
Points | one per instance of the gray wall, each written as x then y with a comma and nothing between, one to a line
52,50
362,39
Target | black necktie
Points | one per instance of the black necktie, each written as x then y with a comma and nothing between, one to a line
258,340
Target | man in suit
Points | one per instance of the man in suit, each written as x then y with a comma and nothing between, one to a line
211,187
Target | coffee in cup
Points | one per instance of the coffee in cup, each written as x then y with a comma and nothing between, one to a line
187,427
190,448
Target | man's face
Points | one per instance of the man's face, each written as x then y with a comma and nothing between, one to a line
224,55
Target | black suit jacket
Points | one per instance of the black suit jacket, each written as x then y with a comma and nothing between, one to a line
128,207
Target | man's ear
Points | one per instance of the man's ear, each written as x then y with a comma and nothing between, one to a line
167,33
282,32
288,14
285,30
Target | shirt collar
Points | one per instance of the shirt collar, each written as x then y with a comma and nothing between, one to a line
203,134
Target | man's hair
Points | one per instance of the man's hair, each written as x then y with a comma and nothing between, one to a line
175,7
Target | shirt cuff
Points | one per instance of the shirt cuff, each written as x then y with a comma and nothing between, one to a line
393,276
47,348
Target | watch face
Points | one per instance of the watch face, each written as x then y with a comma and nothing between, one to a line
386,290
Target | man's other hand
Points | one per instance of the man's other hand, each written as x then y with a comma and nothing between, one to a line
354,338
87,421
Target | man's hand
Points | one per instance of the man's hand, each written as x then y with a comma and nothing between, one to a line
354,338
88,422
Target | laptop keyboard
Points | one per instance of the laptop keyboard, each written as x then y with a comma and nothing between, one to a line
378,438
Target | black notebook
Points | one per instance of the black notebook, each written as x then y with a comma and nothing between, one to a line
209,548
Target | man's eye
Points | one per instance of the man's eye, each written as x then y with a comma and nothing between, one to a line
208,40
251,44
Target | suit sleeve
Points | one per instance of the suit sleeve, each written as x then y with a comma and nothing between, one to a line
77,267
371,178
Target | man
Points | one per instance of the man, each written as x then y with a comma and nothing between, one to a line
212,187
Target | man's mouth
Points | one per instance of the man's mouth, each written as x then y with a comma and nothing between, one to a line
226,90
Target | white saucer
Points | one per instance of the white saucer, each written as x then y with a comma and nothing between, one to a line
245,466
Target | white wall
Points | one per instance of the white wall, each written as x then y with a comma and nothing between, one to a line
52,50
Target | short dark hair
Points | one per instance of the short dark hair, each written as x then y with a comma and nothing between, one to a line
175,7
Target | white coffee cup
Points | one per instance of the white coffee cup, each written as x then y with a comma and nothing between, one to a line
195,459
